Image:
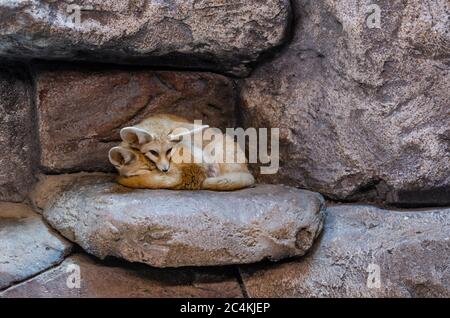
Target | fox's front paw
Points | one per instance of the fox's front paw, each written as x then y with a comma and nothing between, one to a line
224,182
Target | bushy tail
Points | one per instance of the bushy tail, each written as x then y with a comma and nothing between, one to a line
192,177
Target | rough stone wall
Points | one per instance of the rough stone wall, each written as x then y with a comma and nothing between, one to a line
365,252
363,112
18,138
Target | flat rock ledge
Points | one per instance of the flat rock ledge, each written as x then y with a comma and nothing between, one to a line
165,228
27,245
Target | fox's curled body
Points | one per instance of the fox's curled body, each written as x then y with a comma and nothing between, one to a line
143,160
190,177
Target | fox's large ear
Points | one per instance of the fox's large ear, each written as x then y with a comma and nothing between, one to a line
178,133
120,156
135,137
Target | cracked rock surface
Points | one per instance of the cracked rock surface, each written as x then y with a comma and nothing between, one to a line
365,252
28,246
210,34
361,112
186,228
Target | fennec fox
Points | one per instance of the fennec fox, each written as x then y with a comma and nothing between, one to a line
137,171
156,138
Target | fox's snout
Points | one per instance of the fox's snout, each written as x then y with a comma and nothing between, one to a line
164,167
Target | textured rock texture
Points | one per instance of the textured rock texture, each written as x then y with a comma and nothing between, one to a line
17,138
81,112
187,228
412,250
361,111
27,245
116,279
209,34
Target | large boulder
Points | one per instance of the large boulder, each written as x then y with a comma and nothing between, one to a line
215,35
166,228
81,111
28,246
112,279
18,140
362,112
365,252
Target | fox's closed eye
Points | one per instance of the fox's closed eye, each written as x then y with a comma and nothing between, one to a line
168,151
154,153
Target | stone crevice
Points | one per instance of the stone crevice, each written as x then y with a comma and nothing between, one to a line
288,38
33,276
241,282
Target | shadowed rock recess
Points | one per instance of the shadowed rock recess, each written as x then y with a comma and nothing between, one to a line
365,252
120,279
81,110
216,35
185,228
